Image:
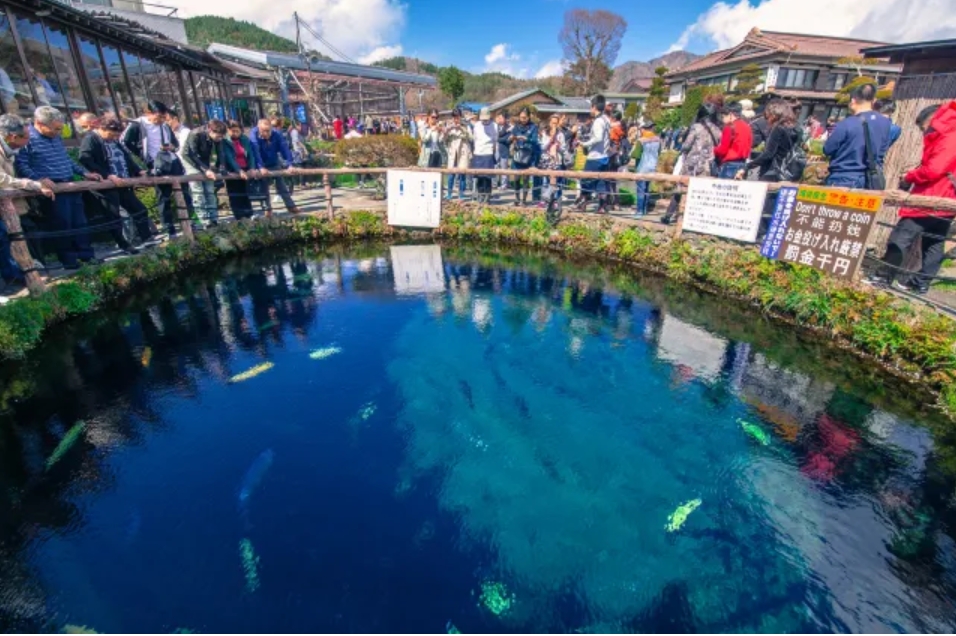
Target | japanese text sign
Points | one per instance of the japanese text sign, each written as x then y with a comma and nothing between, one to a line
414,198
820,227
721,207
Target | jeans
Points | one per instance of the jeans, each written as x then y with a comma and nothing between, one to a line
503,164
909,230
239,202
67,214
521,182
643,196
592,186
9,270
730,169
167,207
847,181
451,186
282,190
204,199
536,183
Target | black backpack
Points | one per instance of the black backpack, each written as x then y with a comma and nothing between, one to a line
791,166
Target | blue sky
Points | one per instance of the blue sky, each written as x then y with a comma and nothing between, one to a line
521,37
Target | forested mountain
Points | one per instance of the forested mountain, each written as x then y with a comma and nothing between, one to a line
205,29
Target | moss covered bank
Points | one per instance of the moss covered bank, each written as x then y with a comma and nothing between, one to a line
913,342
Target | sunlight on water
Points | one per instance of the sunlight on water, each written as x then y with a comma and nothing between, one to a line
417,439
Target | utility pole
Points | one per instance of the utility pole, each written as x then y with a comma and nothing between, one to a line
298,36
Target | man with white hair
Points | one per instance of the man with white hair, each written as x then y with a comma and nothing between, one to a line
44,159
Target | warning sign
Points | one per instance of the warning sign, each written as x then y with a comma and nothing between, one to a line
721,207
414,198
822,228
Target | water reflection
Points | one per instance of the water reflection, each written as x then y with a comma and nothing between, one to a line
553,415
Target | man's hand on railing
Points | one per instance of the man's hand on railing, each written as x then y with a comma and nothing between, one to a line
92,176
243,175
210,175
115,179
263,172
47,192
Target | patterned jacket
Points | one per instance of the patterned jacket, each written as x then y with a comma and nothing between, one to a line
698,149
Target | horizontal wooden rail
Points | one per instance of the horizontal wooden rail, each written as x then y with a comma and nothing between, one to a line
896,198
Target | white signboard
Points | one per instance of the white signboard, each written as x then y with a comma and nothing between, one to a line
726,208
414,198
684,344
418,269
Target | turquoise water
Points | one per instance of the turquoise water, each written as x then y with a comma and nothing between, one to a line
418,439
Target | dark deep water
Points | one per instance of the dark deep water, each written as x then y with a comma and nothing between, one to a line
491,441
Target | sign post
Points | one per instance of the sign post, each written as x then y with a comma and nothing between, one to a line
414,198
822,228
721,207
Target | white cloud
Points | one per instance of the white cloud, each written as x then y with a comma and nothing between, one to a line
381,53
358,28
502,59
725,24
552,68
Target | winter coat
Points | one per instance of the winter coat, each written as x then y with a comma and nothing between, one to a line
271,152
200,150
229,150
95,157
9,180
135,138
457,141
430,142
698,149
936,174
780,142
650,154
554,151
530,142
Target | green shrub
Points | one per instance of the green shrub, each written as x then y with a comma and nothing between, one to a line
377,151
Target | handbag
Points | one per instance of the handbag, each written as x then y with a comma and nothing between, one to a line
714,168
875,179
167,164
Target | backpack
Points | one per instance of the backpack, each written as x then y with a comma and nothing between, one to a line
791,167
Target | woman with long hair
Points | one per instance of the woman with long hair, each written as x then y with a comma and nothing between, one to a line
457,138
783,136
697,152
430,146
554,156
524,152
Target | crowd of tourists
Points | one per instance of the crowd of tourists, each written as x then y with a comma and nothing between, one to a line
33,157
351,127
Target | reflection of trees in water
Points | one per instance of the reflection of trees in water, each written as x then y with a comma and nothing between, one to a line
96,371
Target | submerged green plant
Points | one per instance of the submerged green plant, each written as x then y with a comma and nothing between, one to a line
367,411
496,598
755,432
677,518
65,444
325,352
250,565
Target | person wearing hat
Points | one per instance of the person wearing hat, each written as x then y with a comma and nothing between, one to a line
646,153
456,138
485,135
736,142
101,152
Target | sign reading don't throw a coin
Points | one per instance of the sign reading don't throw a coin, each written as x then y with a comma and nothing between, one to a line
821,228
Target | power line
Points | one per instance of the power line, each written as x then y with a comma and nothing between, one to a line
329,45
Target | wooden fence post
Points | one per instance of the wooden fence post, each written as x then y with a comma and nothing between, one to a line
329,204
19,249
182,213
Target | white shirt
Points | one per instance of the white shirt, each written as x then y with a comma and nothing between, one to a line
486,138
599,140
154,138
181,136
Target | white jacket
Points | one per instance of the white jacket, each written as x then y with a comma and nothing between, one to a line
597,144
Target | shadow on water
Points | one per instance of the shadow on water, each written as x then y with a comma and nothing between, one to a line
476,417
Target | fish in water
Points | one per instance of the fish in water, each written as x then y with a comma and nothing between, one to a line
253,477
68,440
755,432
466,391
677,518
251,373
78,629
269,325
325,352
250,565
147,357
367,411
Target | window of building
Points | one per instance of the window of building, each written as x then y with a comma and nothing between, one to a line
118,81
15,91
137,81
93,67
797,78
194,97
837,81
65,67
40,67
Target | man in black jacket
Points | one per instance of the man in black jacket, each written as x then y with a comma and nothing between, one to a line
148,136
201,146
101,152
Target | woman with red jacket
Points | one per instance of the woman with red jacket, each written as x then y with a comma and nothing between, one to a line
934,177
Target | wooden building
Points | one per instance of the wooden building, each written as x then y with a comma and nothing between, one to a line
53,54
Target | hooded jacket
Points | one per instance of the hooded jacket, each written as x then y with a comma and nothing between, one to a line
936,174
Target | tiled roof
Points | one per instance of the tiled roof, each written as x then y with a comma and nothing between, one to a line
763,43
517,97
577,103
794,93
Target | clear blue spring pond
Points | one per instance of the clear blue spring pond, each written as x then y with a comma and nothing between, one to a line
425,439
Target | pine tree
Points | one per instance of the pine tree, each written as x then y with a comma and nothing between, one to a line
748,79
657,94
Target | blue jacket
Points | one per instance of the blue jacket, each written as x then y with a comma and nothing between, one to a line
268,151
846,147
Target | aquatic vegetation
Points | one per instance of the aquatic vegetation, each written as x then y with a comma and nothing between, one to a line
272,324
302,278
325,352
755,432
78,629
367,411
251,373
253,477
451,629
677,518
147,357
65,444
495,597
250,565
